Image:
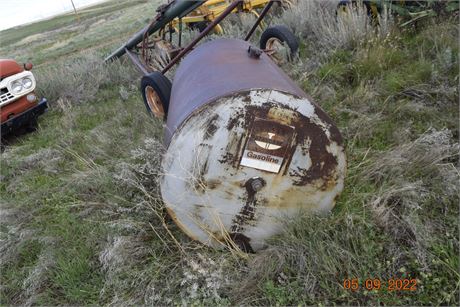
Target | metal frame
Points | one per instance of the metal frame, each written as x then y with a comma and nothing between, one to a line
205,32
164,19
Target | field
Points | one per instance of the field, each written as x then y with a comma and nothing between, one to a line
82,221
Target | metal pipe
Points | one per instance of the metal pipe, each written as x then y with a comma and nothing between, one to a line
259,20
180,32
178,8
205,32
138,62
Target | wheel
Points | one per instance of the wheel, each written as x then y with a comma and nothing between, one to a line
274,39
156,91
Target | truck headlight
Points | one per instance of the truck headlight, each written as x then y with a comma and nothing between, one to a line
16,87
27,83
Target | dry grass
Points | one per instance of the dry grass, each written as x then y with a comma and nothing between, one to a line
413,177
102,27
79,80
316,22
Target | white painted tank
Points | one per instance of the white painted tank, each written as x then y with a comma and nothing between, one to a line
246,148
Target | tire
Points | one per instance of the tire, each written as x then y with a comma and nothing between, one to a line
282,33
158,84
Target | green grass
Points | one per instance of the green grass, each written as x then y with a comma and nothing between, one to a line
13,35
107,24
52,199
82,222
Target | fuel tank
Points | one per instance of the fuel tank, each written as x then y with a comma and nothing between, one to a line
246,148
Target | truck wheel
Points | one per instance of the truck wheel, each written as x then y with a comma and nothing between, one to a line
273,40
156,91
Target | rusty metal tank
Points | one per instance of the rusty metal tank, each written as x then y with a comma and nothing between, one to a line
246,148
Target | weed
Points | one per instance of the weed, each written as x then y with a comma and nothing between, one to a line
78,80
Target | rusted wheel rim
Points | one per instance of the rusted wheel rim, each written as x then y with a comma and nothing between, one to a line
154,102
276,50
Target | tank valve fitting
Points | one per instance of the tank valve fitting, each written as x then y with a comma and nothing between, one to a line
254,52
256,184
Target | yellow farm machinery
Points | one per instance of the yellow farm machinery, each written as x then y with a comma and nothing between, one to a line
154,46
211,9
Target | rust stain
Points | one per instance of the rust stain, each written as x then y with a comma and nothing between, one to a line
198,180
234,122
334,130
240,149
282,115
242,242
290,198
229,194
233,146
245,217
247,99
290,154
213,183
211,127
227,157
323,162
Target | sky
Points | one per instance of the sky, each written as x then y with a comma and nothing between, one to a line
17,12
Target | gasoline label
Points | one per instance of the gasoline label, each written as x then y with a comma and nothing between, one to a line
267,145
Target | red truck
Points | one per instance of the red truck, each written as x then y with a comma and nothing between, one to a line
19,105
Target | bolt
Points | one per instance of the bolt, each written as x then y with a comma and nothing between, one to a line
254,52
257,184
